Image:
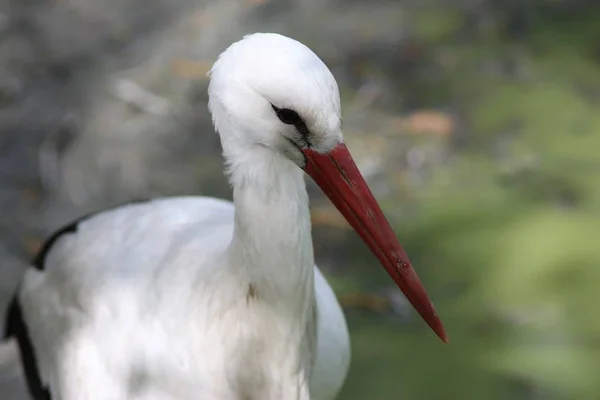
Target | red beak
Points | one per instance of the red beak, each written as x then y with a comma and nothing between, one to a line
338,176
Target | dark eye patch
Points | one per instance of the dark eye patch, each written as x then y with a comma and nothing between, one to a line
287,116
291,117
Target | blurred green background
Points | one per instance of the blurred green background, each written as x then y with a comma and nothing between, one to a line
504,227
475,122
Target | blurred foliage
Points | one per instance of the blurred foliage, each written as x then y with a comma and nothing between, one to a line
505,234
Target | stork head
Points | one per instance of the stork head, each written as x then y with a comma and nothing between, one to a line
279,94
271,92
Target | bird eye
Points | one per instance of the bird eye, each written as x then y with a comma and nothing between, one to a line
288,116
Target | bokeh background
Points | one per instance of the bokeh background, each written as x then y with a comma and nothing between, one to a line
476,123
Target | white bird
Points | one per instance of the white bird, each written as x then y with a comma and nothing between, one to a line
195,298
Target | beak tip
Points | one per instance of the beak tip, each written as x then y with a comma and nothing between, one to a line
436,325
442,335
418,297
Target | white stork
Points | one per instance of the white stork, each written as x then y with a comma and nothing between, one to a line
195,298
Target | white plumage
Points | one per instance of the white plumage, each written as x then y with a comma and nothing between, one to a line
191,298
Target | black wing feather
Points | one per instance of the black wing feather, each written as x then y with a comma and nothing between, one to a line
40,258
16,327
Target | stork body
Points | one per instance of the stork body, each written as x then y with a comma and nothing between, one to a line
193,298
179,318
